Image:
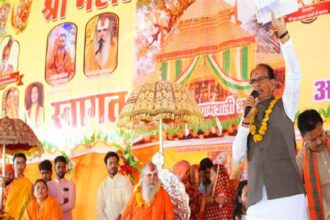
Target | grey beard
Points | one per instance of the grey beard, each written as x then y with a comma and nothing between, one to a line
148,192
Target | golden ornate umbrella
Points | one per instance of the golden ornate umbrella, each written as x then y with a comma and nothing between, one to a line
160,101
163,101
17,136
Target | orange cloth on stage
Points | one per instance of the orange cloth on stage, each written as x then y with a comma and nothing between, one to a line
19,196
49,210
160,209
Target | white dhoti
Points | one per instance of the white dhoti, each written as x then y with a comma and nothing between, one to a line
287,208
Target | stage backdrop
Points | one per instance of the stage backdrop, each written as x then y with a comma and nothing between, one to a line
67,67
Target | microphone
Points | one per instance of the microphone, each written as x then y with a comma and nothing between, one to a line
254,94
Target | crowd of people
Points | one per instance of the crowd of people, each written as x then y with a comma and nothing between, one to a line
45,199
282,183
54,199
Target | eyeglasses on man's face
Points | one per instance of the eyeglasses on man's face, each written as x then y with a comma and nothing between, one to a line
259,79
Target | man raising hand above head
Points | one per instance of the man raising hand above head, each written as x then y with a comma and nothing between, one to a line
267,136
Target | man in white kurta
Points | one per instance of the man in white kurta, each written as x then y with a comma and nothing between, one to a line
114,192
274,202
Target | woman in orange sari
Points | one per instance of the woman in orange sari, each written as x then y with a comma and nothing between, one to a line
219,204
43,207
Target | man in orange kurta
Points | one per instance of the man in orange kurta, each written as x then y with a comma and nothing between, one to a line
49,210
60,60
20,192
150,200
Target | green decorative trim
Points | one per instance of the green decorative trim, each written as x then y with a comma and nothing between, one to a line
224,81
191,71
227,60
178,67
244,62
164,70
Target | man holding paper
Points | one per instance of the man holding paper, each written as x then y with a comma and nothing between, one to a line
266,135
265,8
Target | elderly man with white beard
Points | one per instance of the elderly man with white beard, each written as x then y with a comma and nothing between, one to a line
5,66
150,200
101,52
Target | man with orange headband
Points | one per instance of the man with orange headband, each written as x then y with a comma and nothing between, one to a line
10,174
9,177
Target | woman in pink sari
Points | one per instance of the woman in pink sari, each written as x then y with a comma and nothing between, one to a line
219,204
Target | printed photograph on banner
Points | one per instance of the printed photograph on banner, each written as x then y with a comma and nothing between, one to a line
4,11
20,14
61,54
9,49
101,45
34,104
10,102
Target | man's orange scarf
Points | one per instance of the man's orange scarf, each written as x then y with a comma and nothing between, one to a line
313,184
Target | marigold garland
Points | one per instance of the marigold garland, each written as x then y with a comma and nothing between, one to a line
258,136
139,200
138,197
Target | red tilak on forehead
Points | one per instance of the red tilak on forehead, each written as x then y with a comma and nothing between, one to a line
103,22
153,168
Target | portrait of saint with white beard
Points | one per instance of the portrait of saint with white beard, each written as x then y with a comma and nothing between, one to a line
101,45
9,50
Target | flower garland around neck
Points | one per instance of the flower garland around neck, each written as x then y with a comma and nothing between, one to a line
139,200
257,137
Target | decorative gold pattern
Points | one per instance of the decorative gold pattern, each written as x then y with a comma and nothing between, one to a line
18,137
159,100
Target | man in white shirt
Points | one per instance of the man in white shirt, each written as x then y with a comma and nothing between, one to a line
114,192
266,136
63,190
